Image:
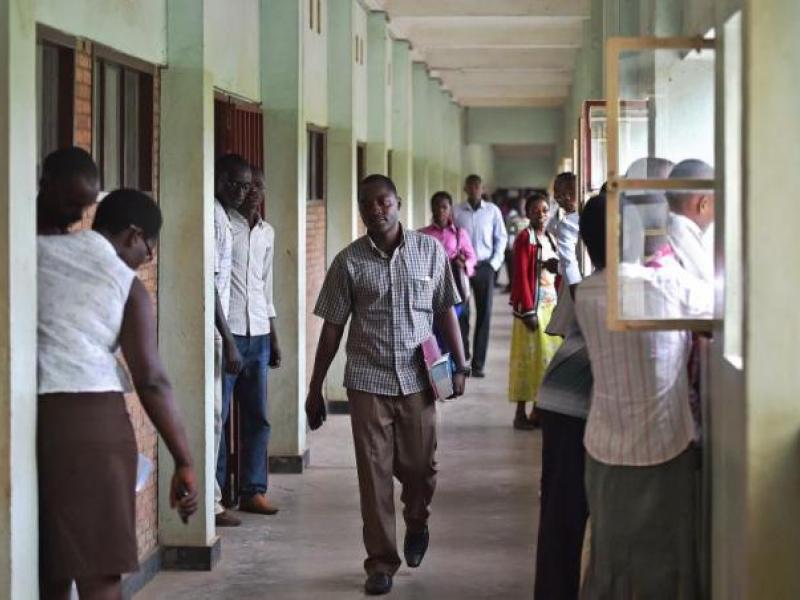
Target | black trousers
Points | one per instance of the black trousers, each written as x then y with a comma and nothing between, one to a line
564,510
482,284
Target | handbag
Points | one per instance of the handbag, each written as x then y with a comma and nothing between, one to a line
460,273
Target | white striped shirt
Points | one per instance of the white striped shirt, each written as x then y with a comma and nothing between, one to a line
223,240
251,305
640,412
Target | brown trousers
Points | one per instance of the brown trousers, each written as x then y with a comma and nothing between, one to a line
394,436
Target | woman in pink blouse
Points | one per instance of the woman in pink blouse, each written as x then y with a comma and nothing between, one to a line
455,241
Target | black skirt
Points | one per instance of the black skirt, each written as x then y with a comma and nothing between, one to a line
87,456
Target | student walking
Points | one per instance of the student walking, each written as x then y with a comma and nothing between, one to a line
533,299
392,285
90,303
458,247
483,221
251,318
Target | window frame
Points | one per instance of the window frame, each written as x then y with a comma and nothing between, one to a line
66,45
316,177
618,184
146,72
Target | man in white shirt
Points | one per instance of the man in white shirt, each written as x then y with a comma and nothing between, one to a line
641,467
691,221
232,180
483,221
251,318
564,228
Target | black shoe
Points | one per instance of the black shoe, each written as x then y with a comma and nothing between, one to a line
524,424
478,373
415,546
378,584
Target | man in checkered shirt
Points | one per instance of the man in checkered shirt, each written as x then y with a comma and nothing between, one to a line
392,284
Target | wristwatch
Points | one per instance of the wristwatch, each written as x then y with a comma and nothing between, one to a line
465,371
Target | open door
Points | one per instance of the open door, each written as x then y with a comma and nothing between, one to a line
238,128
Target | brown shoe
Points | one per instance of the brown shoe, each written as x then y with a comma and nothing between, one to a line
226,519
258,504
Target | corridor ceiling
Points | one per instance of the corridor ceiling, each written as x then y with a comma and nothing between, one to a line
494,52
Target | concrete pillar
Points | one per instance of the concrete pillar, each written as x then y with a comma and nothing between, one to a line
18,500
421,135
435,134
282,25
379,93
342,184
186,286
454,148
754,390
402,127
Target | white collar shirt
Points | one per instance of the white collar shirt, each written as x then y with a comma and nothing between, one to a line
640,413
223,247
692,246
251,304
486,230
565,228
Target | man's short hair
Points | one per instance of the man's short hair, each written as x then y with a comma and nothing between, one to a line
649,167
687,169
472,178
441,194
68,162
593,230
125,207
227,163
378,180
565,179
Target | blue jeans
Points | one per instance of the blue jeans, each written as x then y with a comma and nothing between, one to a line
250,386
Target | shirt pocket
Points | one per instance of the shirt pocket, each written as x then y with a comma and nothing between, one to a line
422,294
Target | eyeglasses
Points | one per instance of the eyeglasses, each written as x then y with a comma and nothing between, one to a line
151,251
149,246
242,186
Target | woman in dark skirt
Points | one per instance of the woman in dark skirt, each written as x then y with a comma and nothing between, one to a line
90,305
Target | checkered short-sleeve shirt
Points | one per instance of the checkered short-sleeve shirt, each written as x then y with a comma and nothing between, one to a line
391,301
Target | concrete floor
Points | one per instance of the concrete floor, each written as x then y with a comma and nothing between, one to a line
483,524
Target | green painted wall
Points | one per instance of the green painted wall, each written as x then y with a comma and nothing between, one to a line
360,72
233,55
137,28
315,66
772,352
479,159
513,125
523,171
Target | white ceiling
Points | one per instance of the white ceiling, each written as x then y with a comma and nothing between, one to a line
493,52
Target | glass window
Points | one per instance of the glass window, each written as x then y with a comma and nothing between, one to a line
110,129
734,251
55,81
316,165
660,161
123,126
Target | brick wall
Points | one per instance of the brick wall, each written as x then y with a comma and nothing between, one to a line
146,500
316,239
146,437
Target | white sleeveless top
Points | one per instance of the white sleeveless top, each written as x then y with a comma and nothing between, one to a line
83,288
